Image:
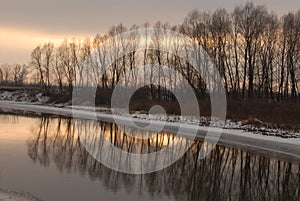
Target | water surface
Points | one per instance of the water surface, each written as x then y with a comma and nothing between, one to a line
45,157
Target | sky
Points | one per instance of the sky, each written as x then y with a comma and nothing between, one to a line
24,24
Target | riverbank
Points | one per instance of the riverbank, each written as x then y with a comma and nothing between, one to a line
278,147
6,195
260,118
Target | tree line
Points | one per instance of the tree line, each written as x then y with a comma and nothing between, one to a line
256,52
13,74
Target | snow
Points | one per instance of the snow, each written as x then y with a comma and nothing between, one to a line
23,96
6,195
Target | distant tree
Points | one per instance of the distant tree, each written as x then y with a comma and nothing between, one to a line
220,29
20,73
99,72
47,56
36,62
250,24
291,54
267,56
58,70
68,58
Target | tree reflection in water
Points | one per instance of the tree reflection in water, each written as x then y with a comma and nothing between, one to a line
227,174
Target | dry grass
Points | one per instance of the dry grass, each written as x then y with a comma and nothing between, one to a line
284,114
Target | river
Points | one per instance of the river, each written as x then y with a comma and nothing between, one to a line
45,157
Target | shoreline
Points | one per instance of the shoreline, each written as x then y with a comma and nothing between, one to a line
7,195
271,146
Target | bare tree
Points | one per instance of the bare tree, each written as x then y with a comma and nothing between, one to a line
47,55
67,54
220,29
250,25
6,72
291,35
36,62
19,73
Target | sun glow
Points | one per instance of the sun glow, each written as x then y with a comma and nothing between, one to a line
145,41
16,44
25,38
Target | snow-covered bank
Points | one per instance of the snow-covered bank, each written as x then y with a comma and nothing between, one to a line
6,195
23,96
283,148
256,127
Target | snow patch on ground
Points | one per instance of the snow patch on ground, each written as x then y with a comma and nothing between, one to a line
6,195
23,96
215,122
